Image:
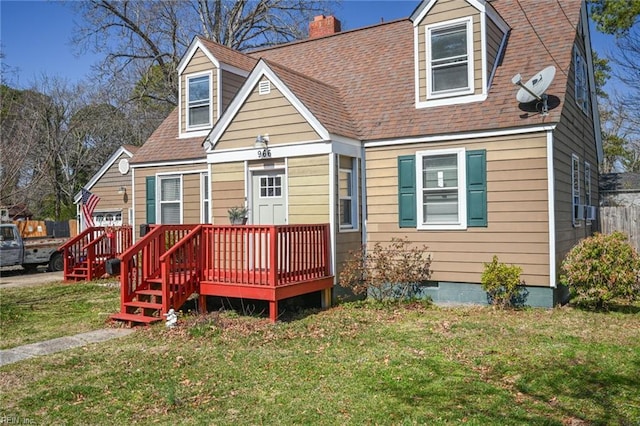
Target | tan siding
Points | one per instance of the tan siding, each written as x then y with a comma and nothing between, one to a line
573,135
269,114
346,240
231,83
191,198
185,170
494,39
308,180
198,63
227,186
517,210
107,189
445,10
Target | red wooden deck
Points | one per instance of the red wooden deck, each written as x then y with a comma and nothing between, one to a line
85,255
269,263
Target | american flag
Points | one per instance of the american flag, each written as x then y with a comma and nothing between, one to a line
89,203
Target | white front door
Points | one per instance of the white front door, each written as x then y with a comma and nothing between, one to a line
269,195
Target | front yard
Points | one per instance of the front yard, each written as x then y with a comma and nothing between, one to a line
352,364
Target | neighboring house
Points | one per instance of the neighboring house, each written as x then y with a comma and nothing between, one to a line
112,183
409,128
620,189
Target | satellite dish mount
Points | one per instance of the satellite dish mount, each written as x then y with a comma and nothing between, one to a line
534,89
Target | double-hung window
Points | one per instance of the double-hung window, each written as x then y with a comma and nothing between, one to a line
170,199
199,101
578,208
450,58
347,193
581,83
441,189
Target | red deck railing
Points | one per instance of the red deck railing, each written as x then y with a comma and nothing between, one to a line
94,246
262,262
269,256
141,261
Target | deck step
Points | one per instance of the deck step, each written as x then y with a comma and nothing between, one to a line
133,318
149,292
144,305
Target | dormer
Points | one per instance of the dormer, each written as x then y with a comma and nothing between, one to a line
207,85
458,45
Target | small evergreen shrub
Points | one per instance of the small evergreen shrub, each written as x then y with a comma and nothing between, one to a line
600,269
502,283
392,272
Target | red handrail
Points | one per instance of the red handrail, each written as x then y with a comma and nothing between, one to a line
265,255
181,268
141,261
74,250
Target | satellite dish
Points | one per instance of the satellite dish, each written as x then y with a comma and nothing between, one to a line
123,166
533,90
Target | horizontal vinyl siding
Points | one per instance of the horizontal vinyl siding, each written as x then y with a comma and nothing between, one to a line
227,186
517,206
308,179
446,10
573,135
107,189
191,198
231,83
494,39
347,240
198,63
184,170
269,114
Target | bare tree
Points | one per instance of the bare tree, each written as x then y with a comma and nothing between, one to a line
144,40
56,135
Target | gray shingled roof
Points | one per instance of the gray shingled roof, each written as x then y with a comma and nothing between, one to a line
360,83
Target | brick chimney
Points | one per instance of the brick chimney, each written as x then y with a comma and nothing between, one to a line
323,26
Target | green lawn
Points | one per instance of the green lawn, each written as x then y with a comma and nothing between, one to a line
353,364
33,314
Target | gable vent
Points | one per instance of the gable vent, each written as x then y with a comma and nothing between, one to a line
264,88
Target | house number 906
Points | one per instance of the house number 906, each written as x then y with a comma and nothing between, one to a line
264,153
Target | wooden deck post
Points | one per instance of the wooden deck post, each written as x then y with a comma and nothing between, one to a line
326,300
202,303
273,310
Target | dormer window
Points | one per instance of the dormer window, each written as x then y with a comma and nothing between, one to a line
198,101
450,58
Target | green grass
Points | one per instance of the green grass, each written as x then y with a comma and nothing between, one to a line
353,364
33,314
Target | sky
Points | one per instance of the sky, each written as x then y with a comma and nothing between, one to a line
35,36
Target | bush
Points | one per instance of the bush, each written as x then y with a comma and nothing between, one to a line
600,269
502,283
385,273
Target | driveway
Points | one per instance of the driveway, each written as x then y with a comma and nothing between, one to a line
18,277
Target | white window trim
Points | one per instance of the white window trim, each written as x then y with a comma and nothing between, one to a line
354,226
159,201
204,195
469,90
575,193
587,191
189,127
462,190
580,67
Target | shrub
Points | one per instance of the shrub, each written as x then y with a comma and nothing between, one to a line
601,268
385,273
502,283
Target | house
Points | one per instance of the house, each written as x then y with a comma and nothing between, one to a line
112,183
409,128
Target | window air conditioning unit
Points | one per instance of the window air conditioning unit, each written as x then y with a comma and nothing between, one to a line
578,211
591,212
